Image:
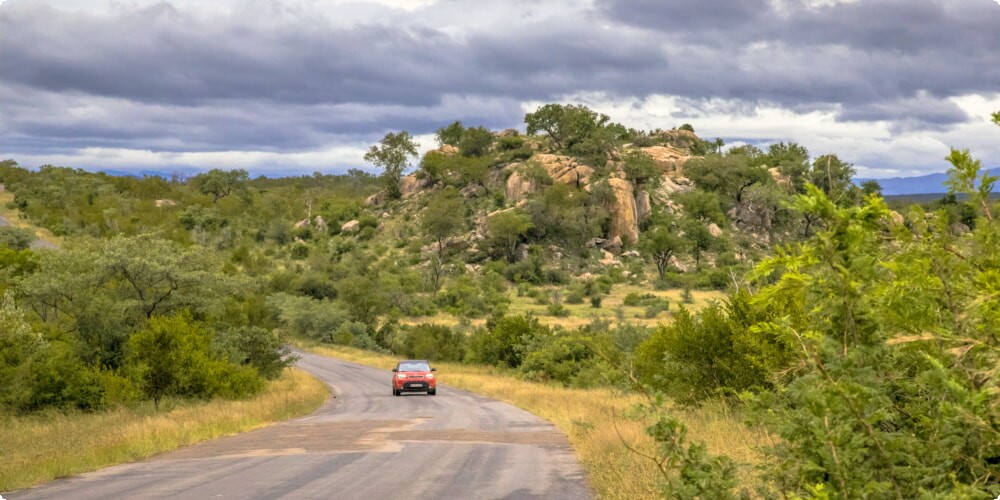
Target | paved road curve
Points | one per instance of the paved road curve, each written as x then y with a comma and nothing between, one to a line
364,444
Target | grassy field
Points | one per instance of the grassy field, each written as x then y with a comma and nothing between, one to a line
583,314
592,419
43,447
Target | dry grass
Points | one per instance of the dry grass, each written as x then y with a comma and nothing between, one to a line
583,314
40,448
592,419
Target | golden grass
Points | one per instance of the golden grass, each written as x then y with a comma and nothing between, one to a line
43,447
592,419
583,314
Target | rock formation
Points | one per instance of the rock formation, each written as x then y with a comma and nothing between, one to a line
623,215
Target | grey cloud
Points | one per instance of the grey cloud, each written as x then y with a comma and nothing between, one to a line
275,79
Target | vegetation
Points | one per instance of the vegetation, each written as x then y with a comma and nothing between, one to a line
583,256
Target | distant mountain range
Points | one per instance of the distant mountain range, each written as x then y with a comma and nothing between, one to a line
923,184
891,186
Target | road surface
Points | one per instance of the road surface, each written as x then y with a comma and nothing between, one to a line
364,443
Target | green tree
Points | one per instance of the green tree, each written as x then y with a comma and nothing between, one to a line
966,176
728,176
443,217
833,176
451,134
641,169
476,141
16,238
792,160
506,229
392,155
661,243
221,183
566,125
173,356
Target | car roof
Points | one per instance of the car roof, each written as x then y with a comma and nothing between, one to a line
413,361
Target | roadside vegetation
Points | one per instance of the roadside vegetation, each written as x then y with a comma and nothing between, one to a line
54,444
584,256
599,422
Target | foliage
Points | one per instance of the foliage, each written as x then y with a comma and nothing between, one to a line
567,125
173,356
256,347
894,387
221,183
504,340
506,229
719,351
641,169
661,243
443,217
451,134
15,238
476,141
392,155
432,342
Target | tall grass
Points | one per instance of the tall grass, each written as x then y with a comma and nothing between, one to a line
47,446
593,420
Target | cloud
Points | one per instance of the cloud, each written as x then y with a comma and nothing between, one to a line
290,77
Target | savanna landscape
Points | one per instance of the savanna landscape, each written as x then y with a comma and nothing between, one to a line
698,317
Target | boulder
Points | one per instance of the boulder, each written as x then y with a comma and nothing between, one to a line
669,186
608,259
614,245
518,187
668,158
897,218
714,230
472,191
595,242
412,184
623,215
643,209
560,168
302,223
159,203
320,222
376,199
780,178
448,149
350,226
632,254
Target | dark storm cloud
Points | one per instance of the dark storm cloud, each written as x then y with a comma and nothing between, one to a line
165,79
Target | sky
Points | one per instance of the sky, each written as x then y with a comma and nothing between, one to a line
286,87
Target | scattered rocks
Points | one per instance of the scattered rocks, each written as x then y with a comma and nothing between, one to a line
350,226
159,203
714,230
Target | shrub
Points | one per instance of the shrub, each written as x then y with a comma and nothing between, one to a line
432,342
258,348
16,238
595,302
558,310
504,340
172,356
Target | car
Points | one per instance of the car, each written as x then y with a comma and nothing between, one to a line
413,375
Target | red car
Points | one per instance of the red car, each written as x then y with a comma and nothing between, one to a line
413,375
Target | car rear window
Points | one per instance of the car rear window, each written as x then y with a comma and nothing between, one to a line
414,367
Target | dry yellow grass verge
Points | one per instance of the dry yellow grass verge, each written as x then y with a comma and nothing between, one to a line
40,448
592,419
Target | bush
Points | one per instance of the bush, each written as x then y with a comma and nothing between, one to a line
595,302
432,342
16,238
172,356
504,340
258,348
713,352
558,310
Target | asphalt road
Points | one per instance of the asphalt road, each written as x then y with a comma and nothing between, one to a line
364,443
